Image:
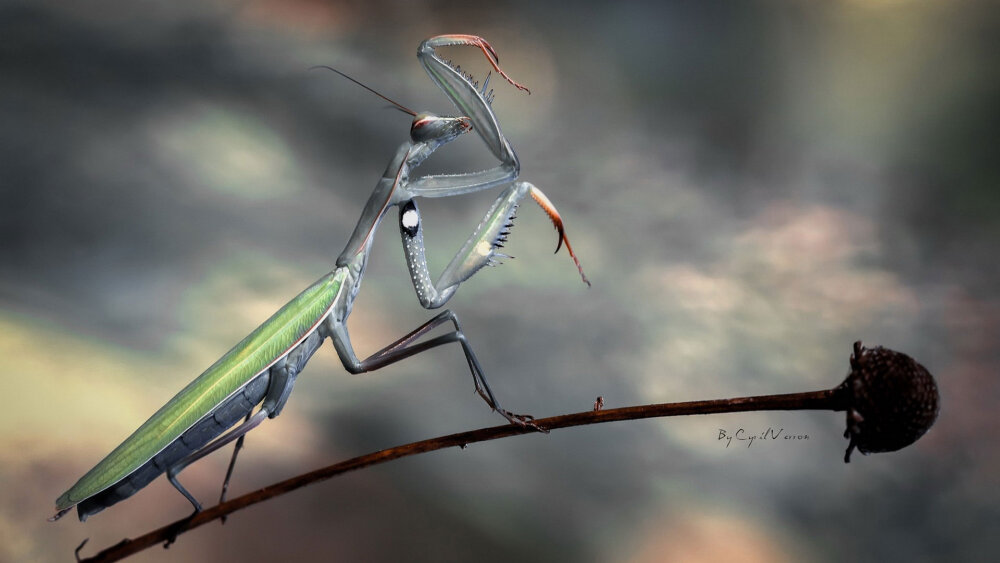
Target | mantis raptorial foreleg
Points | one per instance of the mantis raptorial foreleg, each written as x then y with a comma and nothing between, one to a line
481,249
474,103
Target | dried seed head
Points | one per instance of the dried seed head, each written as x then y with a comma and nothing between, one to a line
891,400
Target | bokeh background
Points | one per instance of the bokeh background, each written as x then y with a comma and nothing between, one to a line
751,187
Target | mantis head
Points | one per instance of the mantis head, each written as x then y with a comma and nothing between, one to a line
427,127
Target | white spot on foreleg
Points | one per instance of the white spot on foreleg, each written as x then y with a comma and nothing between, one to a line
410,219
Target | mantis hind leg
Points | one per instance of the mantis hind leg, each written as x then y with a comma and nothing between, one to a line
238,432
280,378
232,465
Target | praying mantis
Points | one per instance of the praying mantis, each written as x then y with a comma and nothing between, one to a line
261,369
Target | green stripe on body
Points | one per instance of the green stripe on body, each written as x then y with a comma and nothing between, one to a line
265,345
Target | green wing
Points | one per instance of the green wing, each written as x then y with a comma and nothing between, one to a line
255,353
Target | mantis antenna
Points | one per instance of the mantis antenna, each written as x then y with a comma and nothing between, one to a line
398,105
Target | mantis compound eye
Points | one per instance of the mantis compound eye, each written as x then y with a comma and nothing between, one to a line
421,127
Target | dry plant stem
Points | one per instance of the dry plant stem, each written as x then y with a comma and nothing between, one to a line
832,399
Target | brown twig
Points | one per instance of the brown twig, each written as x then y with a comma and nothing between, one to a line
824,400
890,400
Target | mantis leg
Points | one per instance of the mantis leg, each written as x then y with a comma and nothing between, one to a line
240,431
232,465
408,346
250,423
281,378
473,103
481,249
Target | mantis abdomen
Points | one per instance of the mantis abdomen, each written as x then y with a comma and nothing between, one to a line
204,431
272,387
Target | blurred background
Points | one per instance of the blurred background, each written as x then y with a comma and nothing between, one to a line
750,186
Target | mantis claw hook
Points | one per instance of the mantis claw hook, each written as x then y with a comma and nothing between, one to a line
550,210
